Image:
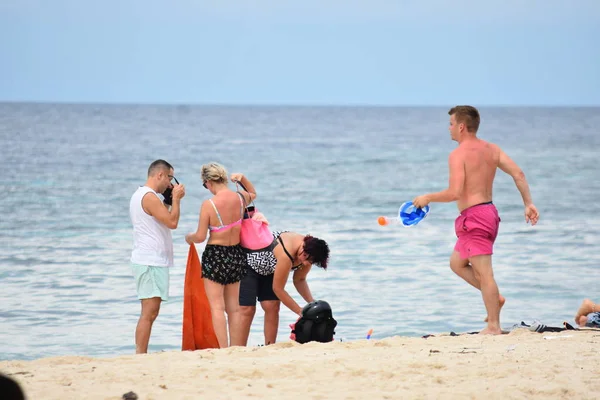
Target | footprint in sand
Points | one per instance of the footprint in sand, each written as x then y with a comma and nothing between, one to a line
382,344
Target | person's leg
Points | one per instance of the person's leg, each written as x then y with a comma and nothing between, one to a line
587,307
215,296
459,260
152,286
482,267
232,307
270,304
246,316
271,308
150,309
464,269
248,293
476,229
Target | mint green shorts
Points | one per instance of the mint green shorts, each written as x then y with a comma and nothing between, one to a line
151,281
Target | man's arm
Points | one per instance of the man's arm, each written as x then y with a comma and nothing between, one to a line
156,208
456,183
506,164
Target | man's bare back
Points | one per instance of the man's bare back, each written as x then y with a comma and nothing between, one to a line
480,161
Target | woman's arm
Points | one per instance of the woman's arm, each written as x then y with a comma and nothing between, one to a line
301,284
200,235
250,192
282,271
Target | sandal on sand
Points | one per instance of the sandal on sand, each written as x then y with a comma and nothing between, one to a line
538,327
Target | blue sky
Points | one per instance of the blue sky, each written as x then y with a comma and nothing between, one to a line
370,52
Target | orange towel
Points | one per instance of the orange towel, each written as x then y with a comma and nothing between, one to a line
198,332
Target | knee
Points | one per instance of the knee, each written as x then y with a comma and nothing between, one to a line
247,311
231,309
217,307
456,264
150,315
270,307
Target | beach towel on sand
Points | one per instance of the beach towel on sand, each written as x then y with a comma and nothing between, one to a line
198,332
536,326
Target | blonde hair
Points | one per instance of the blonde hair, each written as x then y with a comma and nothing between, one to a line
214,172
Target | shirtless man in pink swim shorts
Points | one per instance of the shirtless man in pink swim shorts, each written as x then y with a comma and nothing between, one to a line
473,166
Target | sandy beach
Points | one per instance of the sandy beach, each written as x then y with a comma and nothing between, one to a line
521,364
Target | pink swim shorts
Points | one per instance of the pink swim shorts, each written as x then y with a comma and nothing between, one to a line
476,229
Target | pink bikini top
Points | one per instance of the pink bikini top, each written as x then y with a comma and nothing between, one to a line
223,227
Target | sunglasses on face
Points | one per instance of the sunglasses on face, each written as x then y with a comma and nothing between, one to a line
204,184
172,178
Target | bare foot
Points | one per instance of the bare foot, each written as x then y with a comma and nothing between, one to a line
491,331
502,300
587,307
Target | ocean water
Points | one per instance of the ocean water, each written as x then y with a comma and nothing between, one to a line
68,172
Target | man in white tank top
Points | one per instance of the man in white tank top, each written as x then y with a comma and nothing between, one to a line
152,254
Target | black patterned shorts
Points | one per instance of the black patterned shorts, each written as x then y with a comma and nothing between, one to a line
224,264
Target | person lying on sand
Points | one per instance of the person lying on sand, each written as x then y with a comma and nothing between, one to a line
583,317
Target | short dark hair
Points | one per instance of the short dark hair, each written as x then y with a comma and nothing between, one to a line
159,165
317,251
467,115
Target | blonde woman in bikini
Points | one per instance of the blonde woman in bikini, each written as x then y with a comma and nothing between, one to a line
223,259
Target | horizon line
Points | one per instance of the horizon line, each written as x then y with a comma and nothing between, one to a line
283,104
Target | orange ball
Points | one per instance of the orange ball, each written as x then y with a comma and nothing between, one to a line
382,221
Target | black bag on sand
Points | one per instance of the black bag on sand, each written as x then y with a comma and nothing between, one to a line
316,324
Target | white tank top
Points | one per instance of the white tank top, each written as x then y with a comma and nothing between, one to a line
152,240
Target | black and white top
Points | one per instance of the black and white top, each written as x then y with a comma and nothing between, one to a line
263,261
